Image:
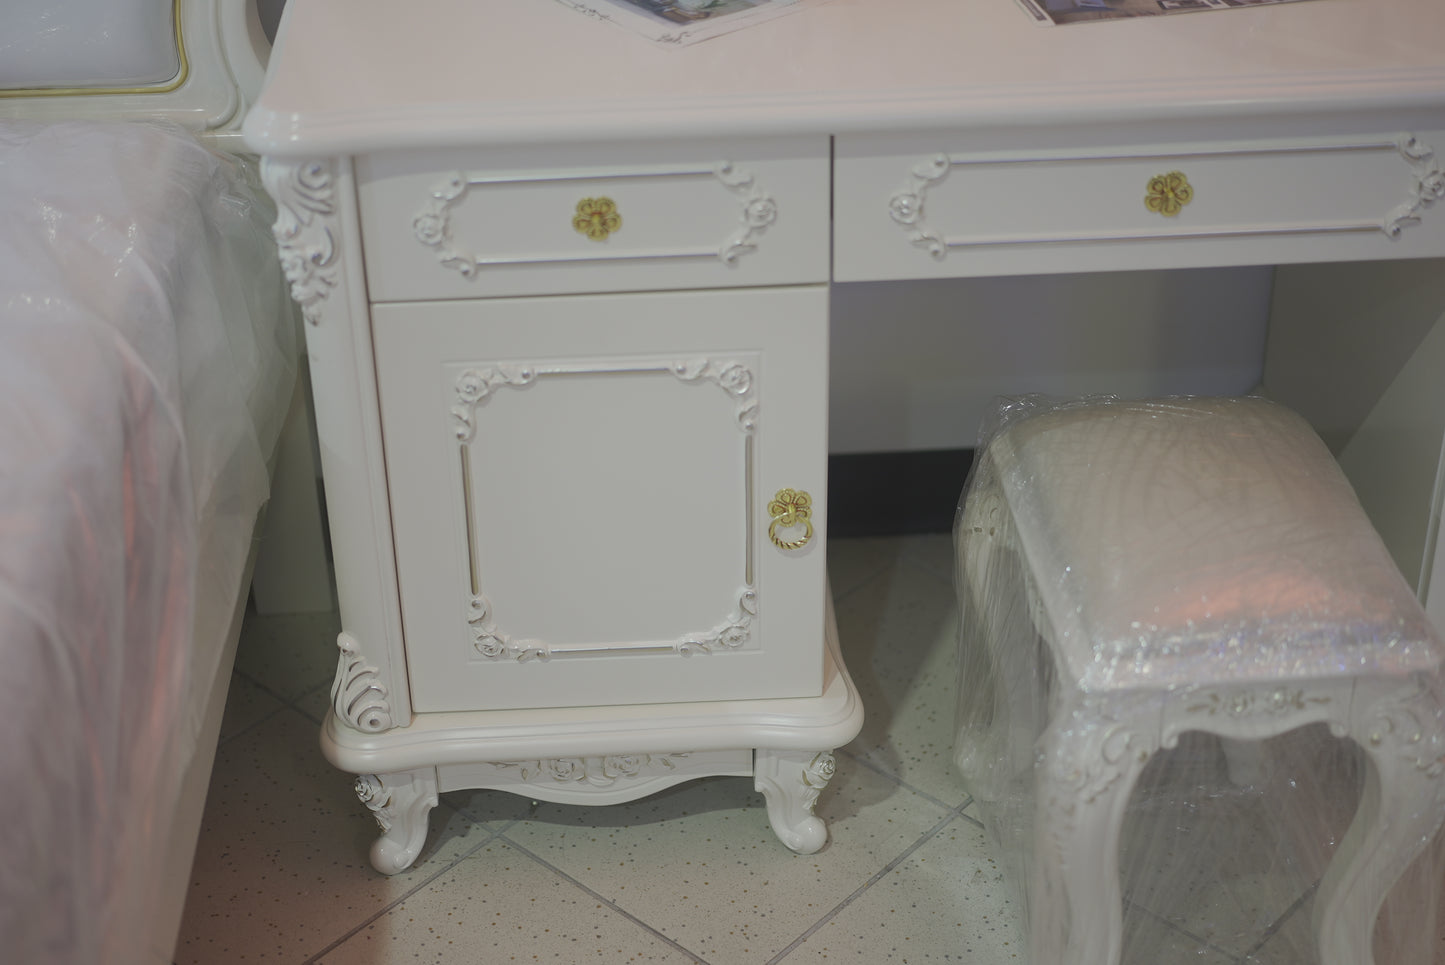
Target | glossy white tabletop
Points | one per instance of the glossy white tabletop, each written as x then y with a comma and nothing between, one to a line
357,75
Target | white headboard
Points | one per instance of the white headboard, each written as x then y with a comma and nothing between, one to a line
196,62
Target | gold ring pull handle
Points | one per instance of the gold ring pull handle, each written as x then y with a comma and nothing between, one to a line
790,509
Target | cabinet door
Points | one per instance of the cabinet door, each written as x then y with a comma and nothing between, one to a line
605,499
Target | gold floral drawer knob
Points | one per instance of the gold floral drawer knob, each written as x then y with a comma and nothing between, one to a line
597,218
790,509
1168,193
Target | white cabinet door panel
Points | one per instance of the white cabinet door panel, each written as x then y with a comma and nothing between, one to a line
580,490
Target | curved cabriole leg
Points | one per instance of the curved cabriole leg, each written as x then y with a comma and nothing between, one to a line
1086,774
791,781
401,803
1401,808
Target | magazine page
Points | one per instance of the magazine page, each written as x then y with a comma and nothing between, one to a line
1054,12
682,22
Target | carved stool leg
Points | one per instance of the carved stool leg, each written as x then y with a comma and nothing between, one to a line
791,782
401,802
1402,807
1086,773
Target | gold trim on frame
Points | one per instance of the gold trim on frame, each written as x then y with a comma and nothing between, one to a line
182,75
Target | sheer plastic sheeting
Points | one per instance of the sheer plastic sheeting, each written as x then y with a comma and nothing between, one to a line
1113,556
146,359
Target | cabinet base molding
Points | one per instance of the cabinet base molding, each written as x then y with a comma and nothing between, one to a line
603,755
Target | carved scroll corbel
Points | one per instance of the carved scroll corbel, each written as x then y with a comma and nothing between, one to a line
358,696
305,229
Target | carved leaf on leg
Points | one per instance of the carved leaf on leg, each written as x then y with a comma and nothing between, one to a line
791,781
400,803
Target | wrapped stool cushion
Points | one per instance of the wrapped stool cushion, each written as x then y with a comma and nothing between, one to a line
1130,572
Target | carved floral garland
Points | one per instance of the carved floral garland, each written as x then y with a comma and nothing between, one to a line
595,771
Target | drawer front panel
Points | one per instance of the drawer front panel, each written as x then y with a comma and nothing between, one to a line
581,492
944,213
462,224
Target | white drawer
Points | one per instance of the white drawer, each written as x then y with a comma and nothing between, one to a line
923,207
469,223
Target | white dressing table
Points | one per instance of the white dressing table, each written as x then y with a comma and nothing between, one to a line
567,303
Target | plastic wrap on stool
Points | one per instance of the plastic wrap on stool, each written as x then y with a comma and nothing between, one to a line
1117,557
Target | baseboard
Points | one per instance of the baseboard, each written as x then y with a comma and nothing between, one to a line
895,493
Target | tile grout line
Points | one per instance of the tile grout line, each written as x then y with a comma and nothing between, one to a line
1278,923
368,922
1202,942
946,573
877,769
264,718
291,704
877,876
698,959
905,557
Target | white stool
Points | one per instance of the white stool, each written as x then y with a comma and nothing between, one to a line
1132,571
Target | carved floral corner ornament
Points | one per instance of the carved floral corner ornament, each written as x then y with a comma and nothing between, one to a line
475,385
432,226
305,229
1427,188
906,207
757,214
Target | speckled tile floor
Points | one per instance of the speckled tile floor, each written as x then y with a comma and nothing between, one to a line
690,875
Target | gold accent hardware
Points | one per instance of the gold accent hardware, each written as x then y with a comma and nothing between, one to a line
1168,193
597,218
789,508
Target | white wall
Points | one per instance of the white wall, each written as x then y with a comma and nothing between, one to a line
915,364
1357,349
